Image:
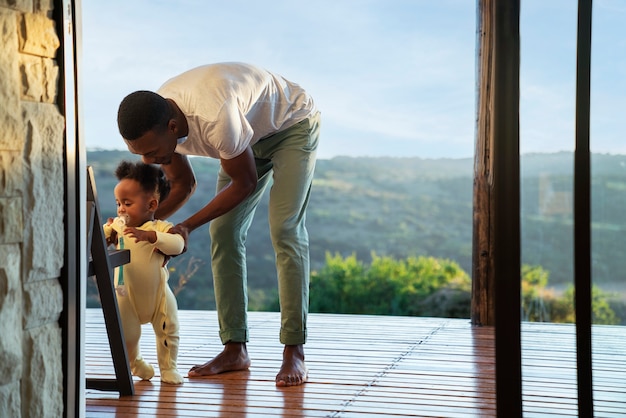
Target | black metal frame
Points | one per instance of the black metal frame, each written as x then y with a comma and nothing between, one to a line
101,266
77,234
507,263
507,235
582,212
71,320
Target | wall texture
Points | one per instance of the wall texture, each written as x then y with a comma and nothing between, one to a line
31,212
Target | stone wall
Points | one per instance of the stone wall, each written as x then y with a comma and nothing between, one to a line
31,212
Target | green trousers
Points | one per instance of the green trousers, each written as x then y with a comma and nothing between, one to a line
286,158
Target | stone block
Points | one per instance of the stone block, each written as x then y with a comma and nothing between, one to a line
31,77
43,191
51,81
37,35
11,314
10,400
39,77
42,378
11,133
21,5
10,173
11,222
43,6
43,303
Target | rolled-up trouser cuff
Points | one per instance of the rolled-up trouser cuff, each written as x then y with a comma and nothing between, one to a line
234,336
292,337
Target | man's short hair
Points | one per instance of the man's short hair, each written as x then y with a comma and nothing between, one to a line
142,111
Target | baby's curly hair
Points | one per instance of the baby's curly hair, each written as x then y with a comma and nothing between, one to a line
151,177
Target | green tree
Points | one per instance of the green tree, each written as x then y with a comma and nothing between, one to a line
536,299
415,286
542,305
330,286
601,311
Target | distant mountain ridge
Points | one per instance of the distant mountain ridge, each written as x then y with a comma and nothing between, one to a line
413,206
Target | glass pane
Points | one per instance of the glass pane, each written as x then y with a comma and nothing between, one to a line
395,82
547,111
547,123
608,164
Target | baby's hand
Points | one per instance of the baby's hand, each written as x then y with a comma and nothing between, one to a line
140,235
112,234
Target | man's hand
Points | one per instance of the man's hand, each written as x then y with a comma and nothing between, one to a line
181,230
140,235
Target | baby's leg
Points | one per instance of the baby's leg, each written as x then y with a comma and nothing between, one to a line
132,332
166,331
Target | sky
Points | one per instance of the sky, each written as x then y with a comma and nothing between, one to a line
391,77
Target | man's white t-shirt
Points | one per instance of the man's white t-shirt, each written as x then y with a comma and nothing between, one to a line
230,106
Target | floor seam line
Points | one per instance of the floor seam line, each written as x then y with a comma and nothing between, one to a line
386,370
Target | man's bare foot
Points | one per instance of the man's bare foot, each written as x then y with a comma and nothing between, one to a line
234,357
293,372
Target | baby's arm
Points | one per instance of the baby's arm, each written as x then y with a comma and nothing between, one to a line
166,243
169,244
141,235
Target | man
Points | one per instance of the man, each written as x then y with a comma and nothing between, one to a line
261,127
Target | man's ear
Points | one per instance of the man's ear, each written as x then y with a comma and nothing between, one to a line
172,125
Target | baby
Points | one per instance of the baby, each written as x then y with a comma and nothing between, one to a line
143,292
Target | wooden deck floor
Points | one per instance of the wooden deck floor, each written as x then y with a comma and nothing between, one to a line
366,366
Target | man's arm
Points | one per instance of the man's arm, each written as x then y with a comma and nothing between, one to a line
242,171
182,181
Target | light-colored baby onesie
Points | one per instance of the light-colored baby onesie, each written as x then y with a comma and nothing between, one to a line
144,296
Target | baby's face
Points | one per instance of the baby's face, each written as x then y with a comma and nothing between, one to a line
133,203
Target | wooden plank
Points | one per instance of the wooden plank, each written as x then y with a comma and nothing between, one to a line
442,367
483,205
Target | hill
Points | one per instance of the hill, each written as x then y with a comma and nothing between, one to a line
404,207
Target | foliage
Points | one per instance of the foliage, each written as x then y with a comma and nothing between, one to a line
415,286
535,295
542,305
426,286
602,313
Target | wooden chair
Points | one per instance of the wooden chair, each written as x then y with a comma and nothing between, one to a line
101,264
